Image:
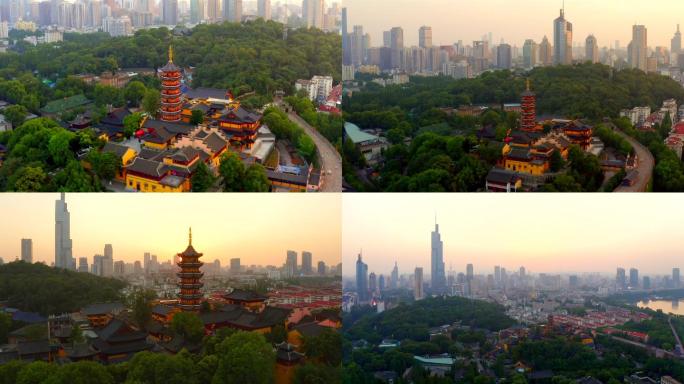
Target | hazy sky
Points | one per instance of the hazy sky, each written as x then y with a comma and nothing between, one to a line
515,21
543,232
258,228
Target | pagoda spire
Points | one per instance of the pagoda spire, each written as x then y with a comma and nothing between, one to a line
171,53
190,237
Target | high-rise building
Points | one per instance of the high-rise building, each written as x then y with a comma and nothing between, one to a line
676,42
146,262
418,284
196,11
97,267
169,12
307,264
397,47
573,281
497,275
235,265
621,278
361,280
232,10
646,282
394,282
291,264
591,49
638,49
83,264
108,261
264,9
437,276
469,272
633,277
522,272
372,284
562,40
190,278
545,52
346,47
27,250
425,37
63,258
530,54
675,277
357,46
213,11
313,13
504,56
321,268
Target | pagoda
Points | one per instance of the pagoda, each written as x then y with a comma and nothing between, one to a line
171,104
190,278
528,108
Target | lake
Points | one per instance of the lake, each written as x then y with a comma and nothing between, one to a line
667,306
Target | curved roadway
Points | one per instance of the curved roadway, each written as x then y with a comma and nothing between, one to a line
645,166
331,161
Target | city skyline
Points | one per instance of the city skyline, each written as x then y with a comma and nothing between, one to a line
512,232
248,220
515,25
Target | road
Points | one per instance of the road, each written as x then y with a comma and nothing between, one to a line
645,166
331,161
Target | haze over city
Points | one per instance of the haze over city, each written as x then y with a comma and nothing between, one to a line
259,229
568,234
453,20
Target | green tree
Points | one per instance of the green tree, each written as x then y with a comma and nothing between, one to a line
188,325
104,164
232,170
10,371
76,335
255,179
5,326
245,357
326,347
134,92
36,372
306,148
277,335
28,179
60,147
556,163
74,178
83,372
203,178
197,117
140,302
314,374
106,95
132,124
151,102
15,114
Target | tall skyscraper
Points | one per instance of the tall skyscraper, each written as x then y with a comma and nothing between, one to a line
346,47
397,47
196,11
418,284
361,280
676,42
591,49
437,261
313,13
232,10
530,53
321,268
27,250
394,282
675,277
63,258
372,284
425,37
98,265
291,264
213,10
307,264
504,56
562,40
83,264
638,48
169,12
108,261
497,275
545,52
469,272
633,277
621,278
146,262
264,9
235,265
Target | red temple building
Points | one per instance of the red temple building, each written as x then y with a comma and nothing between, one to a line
171,104
190,278
528,106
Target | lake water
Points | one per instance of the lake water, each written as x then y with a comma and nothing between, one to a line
667,306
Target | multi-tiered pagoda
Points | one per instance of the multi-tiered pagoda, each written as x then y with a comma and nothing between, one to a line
171,104
528,108
190,278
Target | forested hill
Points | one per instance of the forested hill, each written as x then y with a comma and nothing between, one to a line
413,321
39,288
590,91
245,57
